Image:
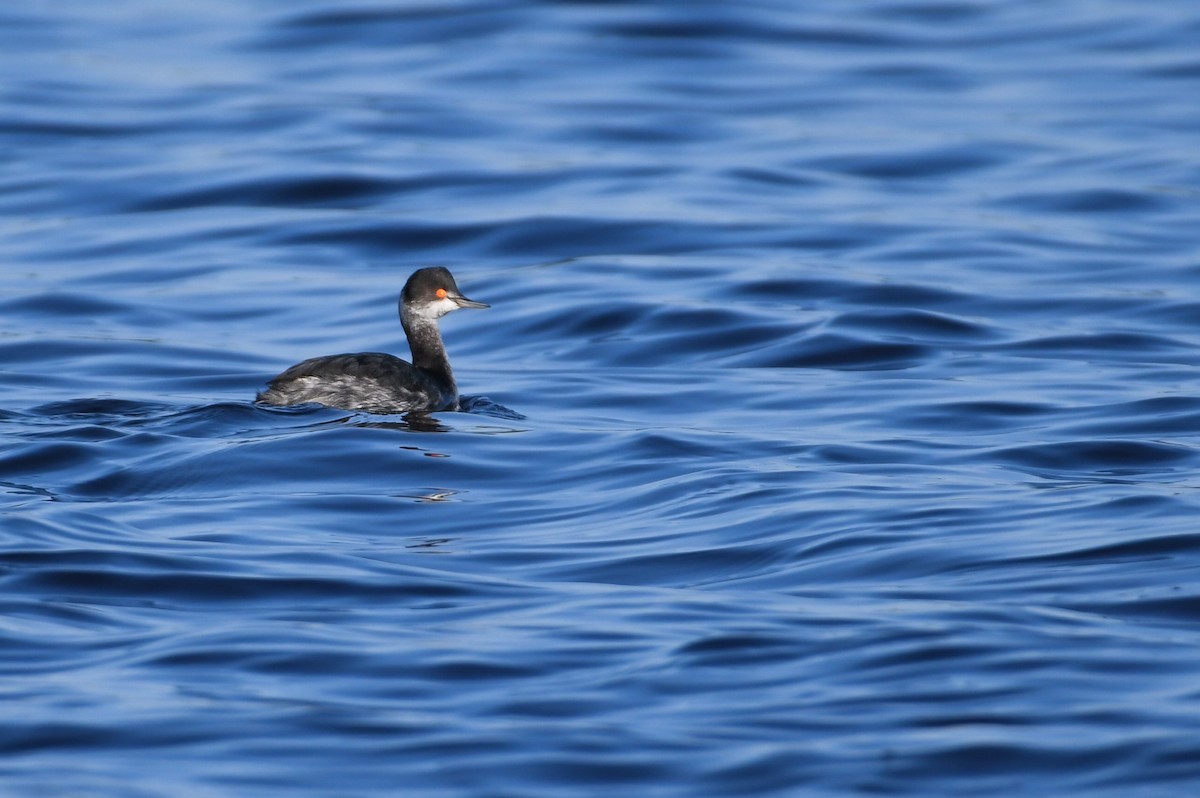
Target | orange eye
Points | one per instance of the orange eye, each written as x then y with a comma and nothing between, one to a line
441,293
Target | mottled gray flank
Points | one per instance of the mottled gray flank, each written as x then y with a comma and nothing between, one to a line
374,382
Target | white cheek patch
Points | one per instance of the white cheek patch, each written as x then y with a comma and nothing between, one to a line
435,310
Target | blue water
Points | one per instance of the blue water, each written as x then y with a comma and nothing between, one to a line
835,428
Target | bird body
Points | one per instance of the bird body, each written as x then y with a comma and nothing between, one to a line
377,382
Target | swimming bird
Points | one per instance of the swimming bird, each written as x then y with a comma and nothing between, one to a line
377,382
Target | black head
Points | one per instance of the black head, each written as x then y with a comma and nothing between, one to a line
433,293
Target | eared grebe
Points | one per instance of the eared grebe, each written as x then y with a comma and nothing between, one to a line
381,383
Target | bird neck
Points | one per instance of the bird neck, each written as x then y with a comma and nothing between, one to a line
428,351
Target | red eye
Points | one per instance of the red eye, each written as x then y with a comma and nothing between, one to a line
441,293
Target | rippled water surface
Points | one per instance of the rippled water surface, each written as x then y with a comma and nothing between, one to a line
835,428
